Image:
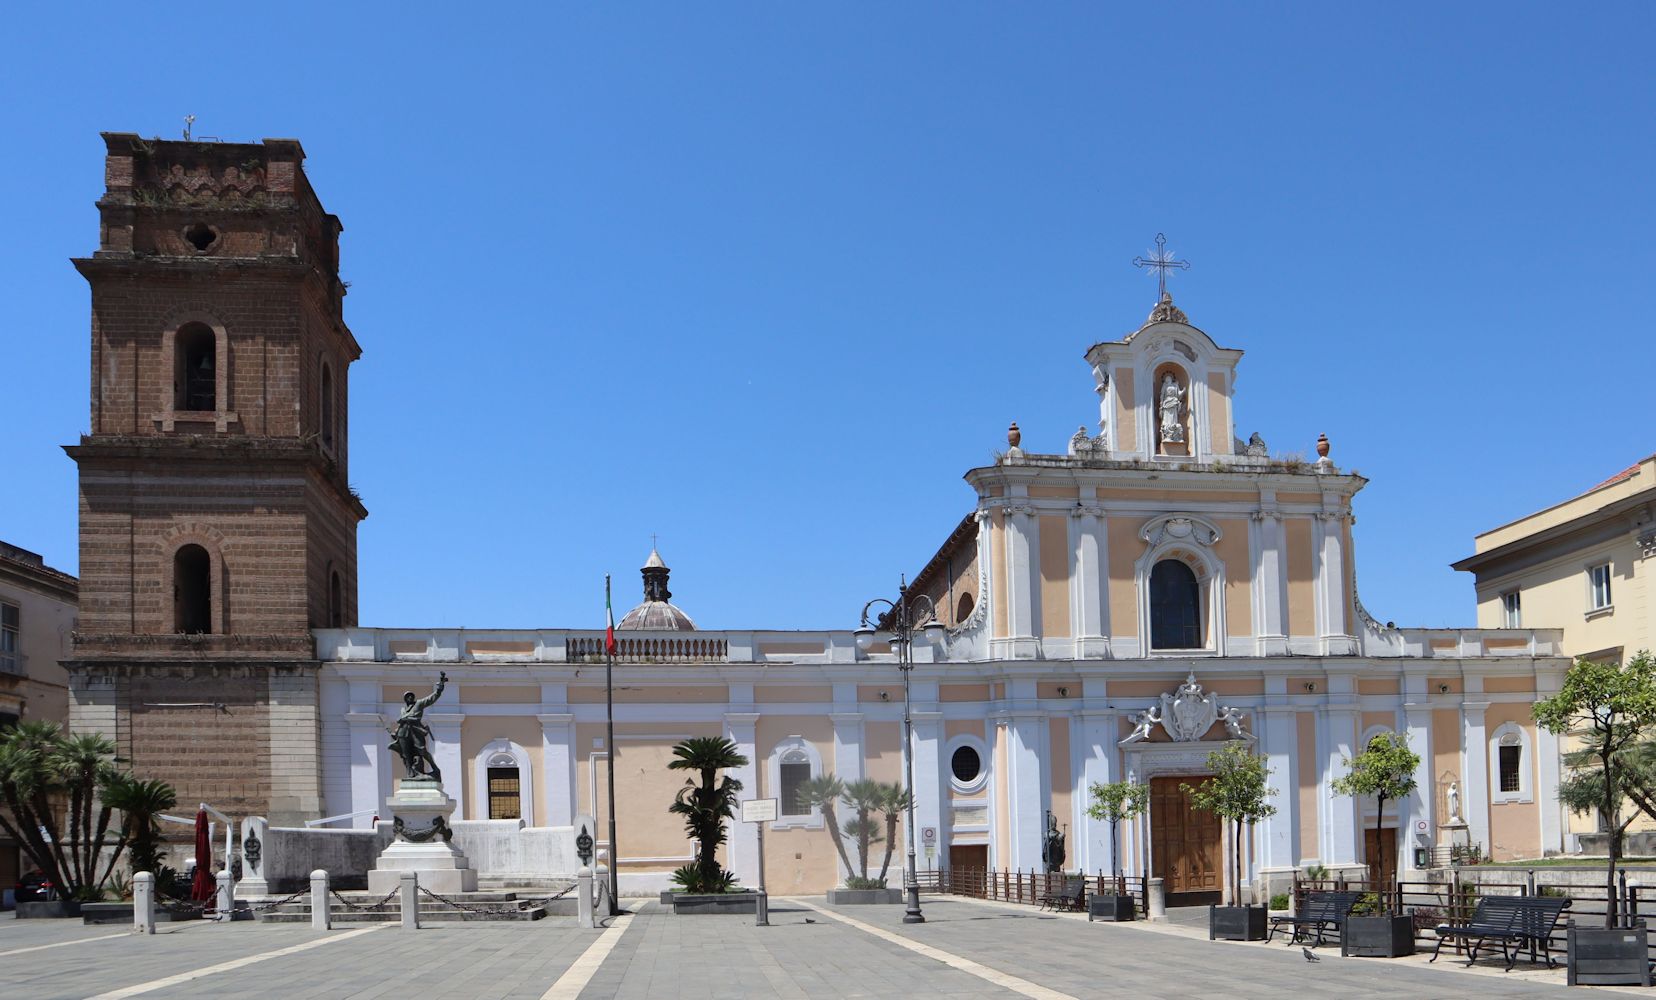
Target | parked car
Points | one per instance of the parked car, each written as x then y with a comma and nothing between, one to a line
33,887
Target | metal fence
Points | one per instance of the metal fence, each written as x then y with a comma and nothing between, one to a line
1033,888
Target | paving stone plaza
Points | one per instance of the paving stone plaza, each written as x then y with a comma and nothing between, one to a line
966,948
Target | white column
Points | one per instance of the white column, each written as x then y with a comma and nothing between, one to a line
930,788
1475,757
1089,583
1340,846
743,845
1270,580
1547,763
369,756
445,750
1095,733
1278,734
1026,815
1331,595
848,749
558,767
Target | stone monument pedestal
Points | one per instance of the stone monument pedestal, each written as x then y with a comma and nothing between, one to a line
420,811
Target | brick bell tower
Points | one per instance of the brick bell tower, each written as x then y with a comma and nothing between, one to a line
217,521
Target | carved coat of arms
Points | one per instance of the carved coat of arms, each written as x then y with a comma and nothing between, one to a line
1189,712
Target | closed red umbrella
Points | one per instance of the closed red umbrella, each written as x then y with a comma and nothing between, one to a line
203,887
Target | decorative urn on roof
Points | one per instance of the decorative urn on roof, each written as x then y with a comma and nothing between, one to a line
656,614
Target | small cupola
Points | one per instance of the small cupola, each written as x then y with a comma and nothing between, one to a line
656,614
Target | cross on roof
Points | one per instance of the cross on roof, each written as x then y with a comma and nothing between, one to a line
1161,261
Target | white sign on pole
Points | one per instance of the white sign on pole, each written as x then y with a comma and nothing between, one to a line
759,811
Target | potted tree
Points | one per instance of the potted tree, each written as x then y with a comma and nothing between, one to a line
1608,708
1386,770
1113,803
1236,793
706,801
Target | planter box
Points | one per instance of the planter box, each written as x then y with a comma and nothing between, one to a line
1236,923
1110,907
48,910
1381,936
720,902
1601,956
863,897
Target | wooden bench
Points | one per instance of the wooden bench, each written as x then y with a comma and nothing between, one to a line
1073,896
1511,920
1320,913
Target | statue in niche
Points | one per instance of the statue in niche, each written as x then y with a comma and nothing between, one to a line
1454,802
411,740
1172,403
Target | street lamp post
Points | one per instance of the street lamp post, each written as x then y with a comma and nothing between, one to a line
901,624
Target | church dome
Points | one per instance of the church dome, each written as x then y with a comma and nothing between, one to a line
656,614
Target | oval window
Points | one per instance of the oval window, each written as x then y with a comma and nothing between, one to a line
966,765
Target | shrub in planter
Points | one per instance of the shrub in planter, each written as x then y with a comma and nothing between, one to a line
1280,901
1237,793
1610,709
1115,802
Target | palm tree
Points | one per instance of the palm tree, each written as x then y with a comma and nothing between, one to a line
863,796
822,794
141,804
81,764
39,763
705,805
894,802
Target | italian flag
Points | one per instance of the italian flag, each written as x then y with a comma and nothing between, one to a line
609,619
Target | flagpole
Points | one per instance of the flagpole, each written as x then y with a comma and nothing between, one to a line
609,741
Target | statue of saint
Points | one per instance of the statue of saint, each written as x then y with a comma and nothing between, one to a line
1454,801
411,739
1172,399
1052,846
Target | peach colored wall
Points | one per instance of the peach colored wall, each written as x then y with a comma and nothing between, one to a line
1232,550
1296,685
1434,683
1049,689
1055,492
1446,742
477,732
1140,689
1299,498
1508,685
1227,685
1386,719
1125,548
1176,498
963,692
1376,685
1126,432
797,860
1003,832
871,692
883,751
1218,429
1514,827
652,694
1348,592
644,789
499,694
773,694
1058,768
1302,611
1308,804
1055,609
997,570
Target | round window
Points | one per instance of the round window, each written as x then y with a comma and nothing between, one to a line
966,765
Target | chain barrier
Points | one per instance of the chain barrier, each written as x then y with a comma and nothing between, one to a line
376,904
273,903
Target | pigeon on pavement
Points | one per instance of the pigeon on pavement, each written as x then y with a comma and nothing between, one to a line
1309,957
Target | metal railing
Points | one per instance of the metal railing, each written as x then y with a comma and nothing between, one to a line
1033,888
664,650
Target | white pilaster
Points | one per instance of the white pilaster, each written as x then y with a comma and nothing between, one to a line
848,750
1340,845
369,759
558,768
1547,763
930,786
1089,582
1270,579
1420,806
1093,734
1278,734
1022,571
1025,808
1475,758
743,845
445,750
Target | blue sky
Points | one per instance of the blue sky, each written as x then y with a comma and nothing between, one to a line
767,279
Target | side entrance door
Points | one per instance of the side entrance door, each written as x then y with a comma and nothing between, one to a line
1381,854
1184,845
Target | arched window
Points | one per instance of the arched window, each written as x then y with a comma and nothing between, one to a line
502,782
1509,755
963,610
505,787
192,590
196,380
795,772
327,407
336,604
1175,606
791,764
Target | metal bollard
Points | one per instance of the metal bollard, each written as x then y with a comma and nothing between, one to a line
1158,900
321,904
410,901
583,899
761,909
226,902
143,903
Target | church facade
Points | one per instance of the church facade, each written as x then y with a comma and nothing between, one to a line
1116,608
